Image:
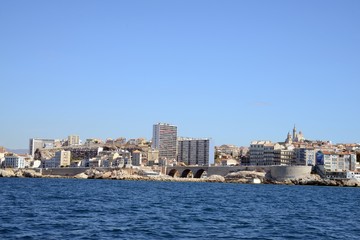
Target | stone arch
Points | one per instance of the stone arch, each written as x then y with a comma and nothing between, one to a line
199,173
173,173
187,173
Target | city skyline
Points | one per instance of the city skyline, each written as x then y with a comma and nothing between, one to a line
235,72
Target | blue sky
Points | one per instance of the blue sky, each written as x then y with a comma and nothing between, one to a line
235,71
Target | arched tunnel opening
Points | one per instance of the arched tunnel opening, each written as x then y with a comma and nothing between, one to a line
174,173
187,173
200,173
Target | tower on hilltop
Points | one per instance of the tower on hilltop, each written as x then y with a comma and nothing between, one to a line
296,137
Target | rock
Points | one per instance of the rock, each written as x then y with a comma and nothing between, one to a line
7,173
216,178
81,176
107,175
19,173
351,183
31,174
94,173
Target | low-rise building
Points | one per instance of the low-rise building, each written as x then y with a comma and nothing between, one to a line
61,159
136,158
152,157
229,162
14,161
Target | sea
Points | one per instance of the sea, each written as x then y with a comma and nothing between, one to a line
42,208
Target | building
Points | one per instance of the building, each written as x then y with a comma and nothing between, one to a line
305,156
295,137
2,149
164,139
193,151
229,162
14,161
39,143
73,140
336,161
79,153
261,153
152,157
61,159
136,158
284,157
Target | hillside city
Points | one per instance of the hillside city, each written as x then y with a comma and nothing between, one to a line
337,161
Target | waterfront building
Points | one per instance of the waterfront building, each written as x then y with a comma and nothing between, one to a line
14,161
305,156
256,151
193,151
136,158
336,161
164,139
73,140
262,153
40,143
284,157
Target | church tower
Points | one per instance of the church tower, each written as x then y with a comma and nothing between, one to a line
289,139
294,134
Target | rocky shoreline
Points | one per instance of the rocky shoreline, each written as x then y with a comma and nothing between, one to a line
241,177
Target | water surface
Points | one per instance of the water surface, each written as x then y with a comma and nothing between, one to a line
108,209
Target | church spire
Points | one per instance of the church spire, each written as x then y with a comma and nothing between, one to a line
294,134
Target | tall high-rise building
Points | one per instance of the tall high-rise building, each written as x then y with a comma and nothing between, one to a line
164,139
193,151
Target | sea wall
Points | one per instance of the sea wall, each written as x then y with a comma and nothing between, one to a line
281,173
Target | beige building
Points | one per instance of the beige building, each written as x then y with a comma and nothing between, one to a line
62,158
73,140
152,157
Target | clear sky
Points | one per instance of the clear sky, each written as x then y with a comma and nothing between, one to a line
235,71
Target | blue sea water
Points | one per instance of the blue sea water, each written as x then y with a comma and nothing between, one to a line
109,209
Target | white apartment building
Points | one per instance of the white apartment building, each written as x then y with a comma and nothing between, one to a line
262,153
14,161
336,161
305,156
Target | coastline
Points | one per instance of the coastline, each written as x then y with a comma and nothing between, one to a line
245,177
